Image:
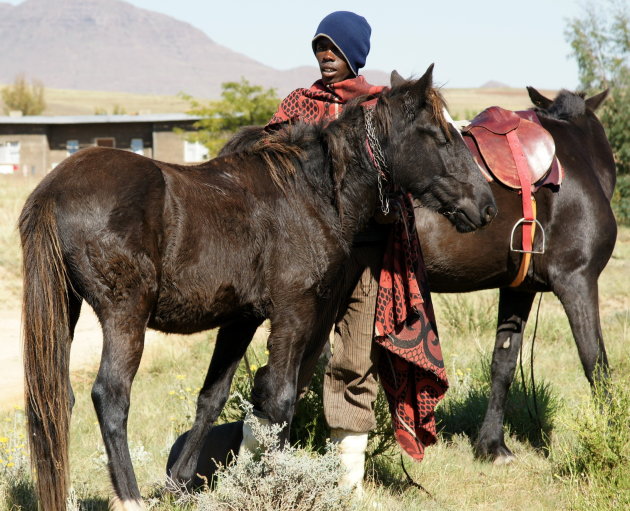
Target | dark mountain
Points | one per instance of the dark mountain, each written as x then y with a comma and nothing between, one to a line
113,45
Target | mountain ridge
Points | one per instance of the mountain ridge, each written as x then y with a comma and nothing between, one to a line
113,45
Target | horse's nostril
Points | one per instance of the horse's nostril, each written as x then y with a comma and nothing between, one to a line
489,213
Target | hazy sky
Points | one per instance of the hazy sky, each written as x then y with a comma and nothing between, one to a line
515,42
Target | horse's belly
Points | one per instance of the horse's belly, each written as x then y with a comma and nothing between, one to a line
192,305
461,262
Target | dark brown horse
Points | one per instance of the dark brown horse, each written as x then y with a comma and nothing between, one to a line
241,238
580,234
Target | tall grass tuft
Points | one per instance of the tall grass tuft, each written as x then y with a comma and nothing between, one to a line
595,463
17,490
530,410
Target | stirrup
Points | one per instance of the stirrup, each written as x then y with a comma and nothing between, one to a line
525,221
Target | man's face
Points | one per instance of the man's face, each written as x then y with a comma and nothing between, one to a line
332,65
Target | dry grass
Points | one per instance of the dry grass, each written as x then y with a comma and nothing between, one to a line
466,103
13,193
82,102
463,103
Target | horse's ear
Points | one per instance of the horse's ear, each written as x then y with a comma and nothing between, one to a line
395,79
424,83
538,99
595,102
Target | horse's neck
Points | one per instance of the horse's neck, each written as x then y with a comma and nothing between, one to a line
594,146
358,197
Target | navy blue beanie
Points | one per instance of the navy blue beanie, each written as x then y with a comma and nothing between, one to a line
350,33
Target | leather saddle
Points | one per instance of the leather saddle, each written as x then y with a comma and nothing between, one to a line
492,136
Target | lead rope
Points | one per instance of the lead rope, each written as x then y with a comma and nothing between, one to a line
534,415
375,152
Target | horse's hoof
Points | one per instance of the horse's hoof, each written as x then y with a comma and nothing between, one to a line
503,459
126,505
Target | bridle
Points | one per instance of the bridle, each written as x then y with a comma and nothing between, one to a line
376,155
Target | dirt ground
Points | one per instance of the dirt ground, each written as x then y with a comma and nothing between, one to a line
86,350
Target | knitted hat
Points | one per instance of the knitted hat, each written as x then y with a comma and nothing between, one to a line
350,33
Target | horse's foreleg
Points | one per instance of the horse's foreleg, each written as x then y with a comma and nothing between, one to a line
123,343
231,344
275,385
579,297
514,307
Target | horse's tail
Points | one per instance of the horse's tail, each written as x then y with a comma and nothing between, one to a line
47,342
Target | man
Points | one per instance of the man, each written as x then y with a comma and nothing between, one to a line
341,45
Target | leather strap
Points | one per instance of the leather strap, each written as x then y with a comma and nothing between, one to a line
529,205
526,188
527,256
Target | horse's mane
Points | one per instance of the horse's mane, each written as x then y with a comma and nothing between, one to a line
282,149
566,106
438,107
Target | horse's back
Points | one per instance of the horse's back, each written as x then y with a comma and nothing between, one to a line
107,206
577,220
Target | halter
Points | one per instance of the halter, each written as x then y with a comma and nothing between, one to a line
375,152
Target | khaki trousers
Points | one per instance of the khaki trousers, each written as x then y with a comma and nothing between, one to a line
350,384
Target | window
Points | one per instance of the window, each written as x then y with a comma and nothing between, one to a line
105,142
72,146
10,152
137,146
195,152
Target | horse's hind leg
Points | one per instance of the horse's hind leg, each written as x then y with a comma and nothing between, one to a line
514,307
579,297
74,309
123,342
231,344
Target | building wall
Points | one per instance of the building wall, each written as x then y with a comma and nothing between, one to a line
167,145
34,148
42,147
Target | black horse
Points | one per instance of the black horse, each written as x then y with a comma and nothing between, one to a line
241,238
580,234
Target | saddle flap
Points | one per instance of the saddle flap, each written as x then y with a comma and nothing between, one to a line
489,131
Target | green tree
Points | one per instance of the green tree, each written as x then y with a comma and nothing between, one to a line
600,42
241,104
28,99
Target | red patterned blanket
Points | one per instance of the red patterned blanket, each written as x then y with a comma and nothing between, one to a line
411,368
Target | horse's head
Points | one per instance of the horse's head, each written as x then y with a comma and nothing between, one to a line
428,156
571,119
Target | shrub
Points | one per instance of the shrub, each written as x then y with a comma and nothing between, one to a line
28,99
621,200
275,479
595,461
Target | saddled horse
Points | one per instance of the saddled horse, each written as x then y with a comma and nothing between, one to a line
580,232
229,243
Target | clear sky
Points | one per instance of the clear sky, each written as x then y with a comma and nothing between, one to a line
516,42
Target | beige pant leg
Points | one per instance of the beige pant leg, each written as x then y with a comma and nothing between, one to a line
350,384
